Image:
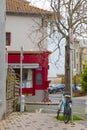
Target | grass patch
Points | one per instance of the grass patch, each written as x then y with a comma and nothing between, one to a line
75,118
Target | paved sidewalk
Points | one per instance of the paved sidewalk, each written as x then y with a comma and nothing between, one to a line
38,121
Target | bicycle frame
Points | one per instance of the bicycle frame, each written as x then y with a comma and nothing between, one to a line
65,107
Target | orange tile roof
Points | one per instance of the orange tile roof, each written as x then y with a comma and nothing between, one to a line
23,7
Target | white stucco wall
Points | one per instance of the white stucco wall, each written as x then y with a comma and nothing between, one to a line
25,31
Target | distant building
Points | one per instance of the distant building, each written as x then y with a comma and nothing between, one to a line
79,55
55,80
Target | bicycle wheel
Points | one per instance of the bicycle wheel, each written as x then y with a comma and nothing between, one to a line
67,113
58,112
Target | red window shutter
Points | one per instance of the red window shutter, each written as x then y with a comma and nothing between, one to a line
8,38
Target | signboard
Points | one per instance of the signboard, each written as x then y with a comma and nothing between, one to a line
32,66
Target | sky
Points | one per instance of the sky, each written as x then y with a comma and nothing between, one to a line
44,4
53,69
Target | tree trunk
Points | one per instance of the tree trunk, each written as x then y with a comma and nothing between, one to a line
67,67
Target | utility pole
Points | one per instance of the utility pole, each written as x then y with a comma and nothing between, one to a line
2,60
21,60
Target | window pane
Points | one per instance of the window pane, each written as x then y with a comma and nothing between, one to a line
8,38
38,79
27,78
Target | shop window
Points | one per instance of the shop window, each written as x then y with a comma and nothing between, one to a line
8,38
38,79
27,78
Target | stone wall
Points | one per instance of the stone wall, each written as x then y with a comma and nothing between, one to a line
12,91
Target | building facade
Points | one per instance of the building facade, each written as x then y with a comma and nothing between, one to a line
2,61
26,27
79,56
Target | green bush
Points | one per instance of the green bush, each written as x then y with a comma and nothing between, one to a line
78,93
84,78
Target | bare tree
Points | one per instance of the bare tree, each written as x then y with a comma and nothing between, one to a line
70,20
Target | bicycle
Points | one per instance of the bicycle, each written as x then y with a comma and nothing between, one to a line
65,105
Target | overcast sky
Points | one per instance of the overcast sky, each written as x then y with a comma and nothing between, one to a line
41,3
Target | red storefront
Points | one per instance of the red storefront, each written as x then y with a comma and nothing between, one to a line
35,70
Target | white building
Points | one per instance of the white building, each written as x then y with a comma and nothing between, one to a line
26,26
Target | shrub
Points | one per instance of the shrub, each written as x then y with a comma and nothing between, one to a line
84,78
78,93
